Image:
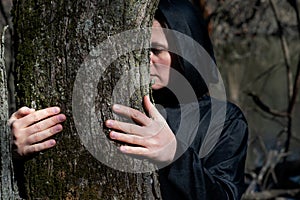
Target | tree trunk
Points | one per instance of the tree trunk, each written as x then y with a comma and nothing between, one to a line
56,41
8,188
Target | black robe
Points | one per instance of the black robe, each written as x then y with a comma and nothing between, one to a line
216,174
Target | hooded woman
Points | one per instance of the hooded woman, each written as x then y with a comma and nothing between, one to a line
199,157
192,166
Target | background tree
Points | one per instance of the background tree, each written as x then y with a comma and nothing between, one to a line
52,40
257,48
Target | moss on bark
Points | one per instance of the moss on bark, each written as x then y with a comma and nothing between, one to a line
52,40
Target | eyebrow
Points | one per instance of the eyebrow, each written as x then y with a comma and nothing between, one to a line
157,44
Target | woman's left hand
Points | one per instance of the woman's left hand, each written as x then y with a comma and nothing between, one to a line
151,137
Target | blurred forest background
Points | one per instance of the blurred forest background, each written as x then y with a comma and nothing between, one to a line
257,46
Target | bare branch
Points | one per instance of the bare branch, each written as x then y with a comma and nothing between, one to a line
266,108
270,194
294,4
297,139
269,117
296,88
285,50
272,159
2,11
263,146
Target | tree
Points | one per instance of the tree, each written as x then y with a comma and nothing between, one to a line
8,188
243,34
53,39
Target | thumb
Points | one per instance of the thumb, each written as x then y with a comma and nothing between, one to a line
150,108
22,112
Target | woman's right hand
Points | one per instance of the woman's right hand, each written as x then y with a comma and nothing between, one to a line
32,129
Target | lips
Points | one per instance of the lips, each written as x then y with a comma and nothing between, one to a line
152,79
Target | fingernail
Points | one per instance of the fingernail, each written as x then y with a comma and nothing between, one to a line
116,107
58,128
61,118
123,148
56,110
52,142
109,123
25,109
113,135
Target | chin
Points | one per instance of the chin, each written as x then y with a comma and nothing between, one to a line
156,87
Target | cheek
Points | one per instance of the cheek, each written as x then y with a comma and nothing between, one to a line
167,60
161,69
164,75
164,69
161,79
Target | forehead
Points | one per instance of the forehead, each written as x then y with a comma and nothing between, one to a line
158,36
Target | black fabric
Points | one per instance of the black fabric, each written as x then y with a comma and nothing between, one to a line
220,174
181,16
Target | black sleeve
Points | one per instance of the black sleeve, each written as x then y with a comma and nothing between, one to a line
219,175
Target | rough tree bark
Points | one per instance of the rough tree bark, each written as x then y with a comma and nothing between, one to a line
53,38
8,188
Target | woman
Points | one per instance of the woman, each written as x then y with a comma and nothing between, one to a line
186,173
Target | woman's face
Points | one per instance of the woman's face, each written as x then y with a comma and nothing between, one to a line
160,58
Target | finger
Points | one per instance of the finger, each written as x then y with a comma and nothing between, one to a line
127,138
23,112
39,147
19,114
150,108
139,151
37,116
133,114
125,127
45,124
38,137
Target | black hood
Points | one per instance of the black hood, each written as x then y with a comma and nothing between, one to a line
182,16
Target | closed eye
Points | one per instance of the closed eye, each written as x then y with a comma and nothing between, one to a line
157,51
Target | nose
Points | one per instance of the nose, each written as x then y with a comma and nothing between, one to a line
151,57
